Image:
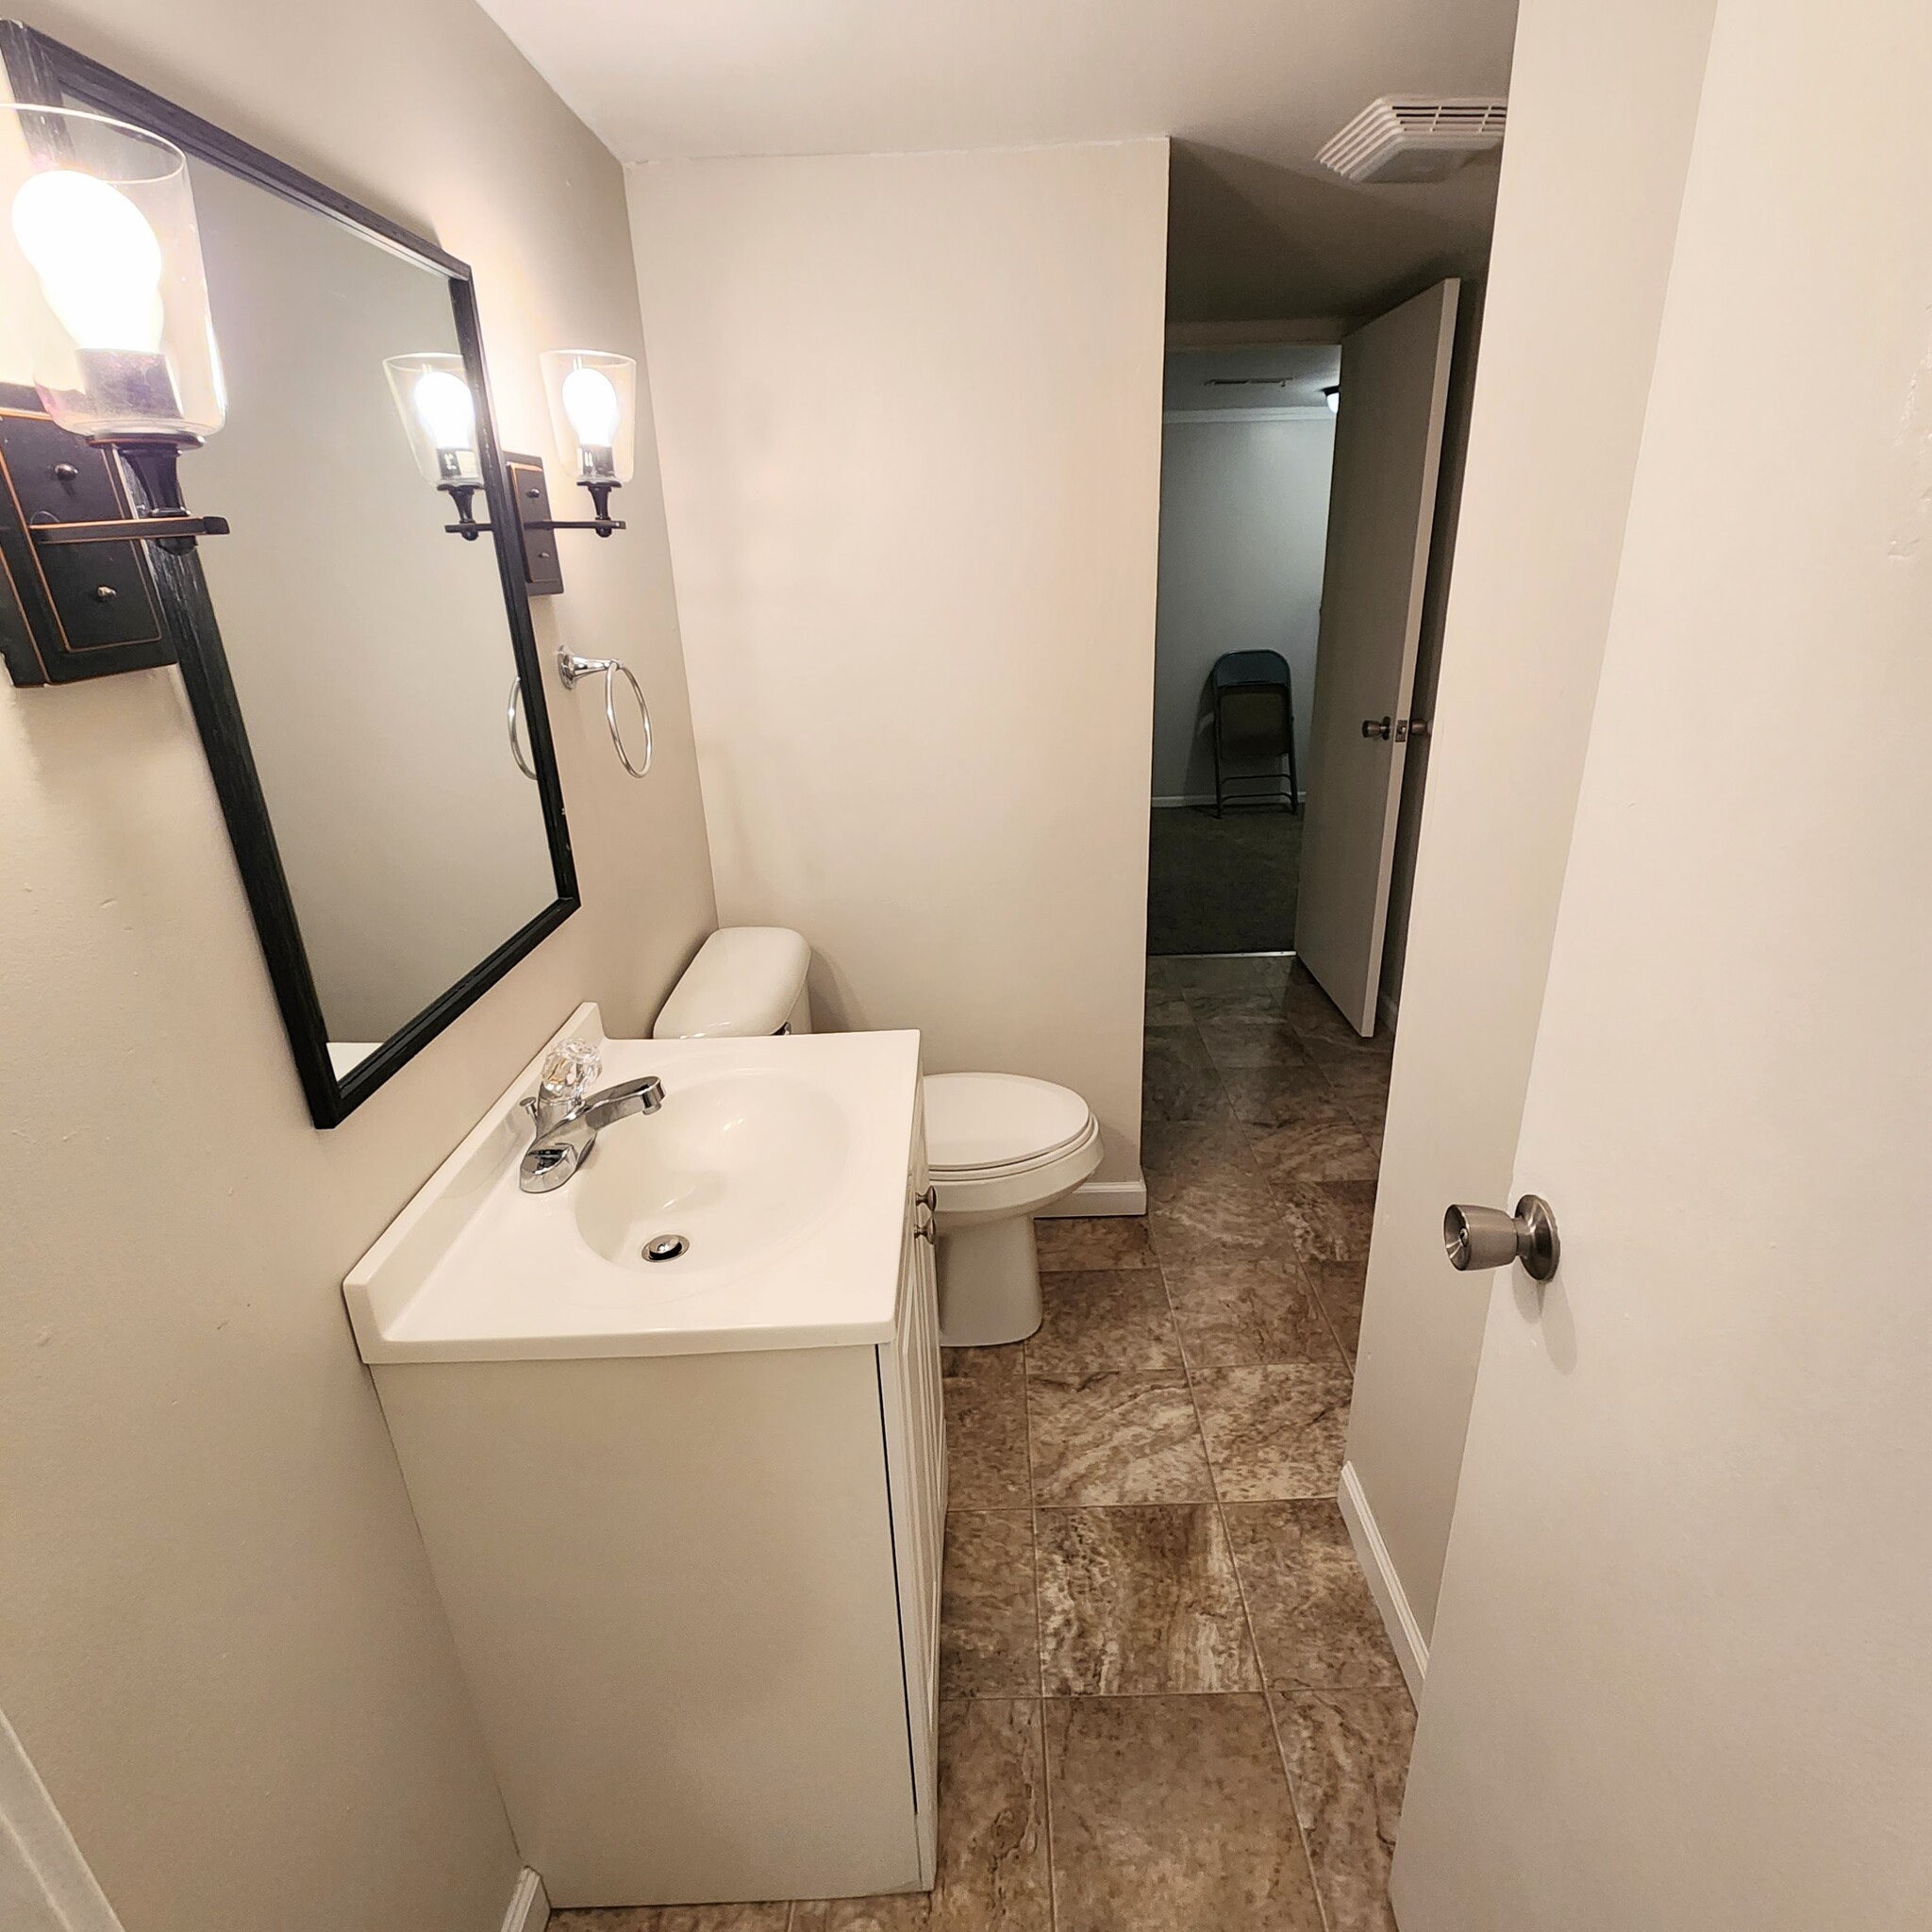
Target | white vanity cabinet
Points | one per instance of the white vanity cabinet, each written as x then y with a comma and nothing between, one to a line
695,1592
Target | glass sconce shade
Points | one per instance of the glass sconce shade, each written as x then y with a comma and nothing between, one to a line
593,405
439,413
101,273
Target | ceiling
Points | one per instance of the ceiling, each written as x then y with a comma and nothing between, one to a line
1247,89
1282,375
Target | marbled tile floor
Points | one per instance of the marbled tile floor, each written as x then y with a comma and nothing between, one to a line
1167,1704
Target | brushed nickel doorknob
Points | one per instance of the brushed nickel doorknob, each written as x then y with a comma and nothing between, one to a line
1488,1238
1377,727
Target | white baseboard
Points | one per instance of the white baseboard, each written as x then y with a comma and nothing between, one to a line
529,1905
1099,1197
1405,1633
1169,804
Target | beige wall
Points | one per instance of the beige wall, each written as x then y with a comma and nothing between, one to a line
218,1639
1602,105
910,417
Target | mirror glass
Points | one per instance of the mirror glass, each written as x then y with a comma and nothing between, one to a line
369,651
364,678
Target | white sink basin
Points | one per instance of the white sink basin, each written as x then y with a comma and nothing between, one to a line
737,1161
781,1162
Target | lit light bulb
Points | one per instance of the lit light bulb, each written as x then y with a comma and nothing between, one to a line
1334,396
97,258
590,400
445,409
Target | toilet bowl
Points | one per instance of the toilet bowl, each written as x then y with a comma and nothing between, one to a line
1000,1148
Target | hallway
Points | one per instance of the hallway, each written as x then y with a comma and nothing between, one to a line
1167,1704
1221,885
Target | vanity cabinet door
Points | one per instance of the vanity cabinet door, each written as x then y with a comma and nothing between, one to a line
916,1471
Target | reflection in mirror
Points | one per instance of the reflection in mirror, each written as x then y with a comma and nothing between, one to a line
369,651
355,670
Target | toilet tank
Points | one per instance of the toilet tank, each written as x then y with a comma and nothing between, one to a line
746,979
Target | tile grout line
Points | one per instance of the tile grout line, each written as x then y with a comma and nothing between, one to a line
1245,1130
1053,1907
1234,1562
1314,1293
1248,1622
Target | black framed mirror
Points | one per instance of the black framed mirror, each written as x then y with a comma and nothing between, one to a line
360,678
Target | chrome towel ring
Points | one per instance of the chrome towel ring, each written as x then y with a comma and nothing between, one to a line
510,719
572,668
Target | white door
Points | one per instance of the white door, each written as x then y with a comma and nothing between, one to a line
1681,1675
1381,512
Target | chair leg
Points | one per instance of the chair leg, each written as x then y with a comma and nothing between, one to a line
1294,789
1217,761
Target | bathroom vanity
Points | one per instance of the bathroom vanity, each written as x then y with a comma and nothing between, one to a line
686,1516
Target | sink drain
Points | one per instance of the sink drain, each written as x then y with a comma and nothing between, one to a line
665,1247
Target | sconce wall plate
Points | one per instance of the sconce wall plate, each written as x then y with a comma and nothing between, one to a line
530,489
68,612
542,566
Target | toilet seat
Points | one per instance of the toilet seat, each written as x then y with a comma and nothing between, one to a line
994,1125
999,1144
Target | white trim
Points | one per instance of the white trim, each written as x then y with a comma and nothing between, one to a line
1248,953
41,1871
1286,412
1174,801
529,1905
1405,1633
1098,1198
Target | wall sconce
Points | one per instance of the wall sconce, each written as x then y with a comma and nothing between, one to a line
432,395
593,400
101,273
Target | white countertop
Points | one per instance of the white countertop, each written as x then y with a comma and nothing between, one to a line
787,1165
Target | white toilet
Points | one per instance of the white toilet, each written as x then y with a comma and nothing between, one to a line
1001,1147
745,980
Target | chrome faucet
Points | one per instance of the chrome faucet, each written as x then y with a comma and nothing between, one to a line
568,1119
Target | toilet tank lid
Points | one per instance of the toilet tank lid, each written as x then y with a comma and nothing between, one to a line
745,980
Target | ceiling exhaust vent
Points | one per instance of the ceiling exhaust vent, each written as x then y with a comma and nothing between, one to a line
1411,138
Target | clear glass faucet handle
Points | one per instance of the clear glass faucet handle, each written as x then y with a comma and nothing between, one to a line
570,1070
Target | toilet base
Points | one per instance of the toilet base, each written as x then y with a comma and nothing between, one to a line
989,1282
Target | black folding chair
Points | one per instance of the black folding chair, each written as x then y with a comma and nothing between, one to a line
1253,696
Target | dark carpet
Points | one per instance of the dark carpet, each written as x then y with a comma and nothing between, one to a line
1221,885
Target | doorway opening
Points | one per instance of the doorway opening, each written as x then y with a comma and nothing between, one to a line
1309,486
1311,531
1247,443
1275,935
